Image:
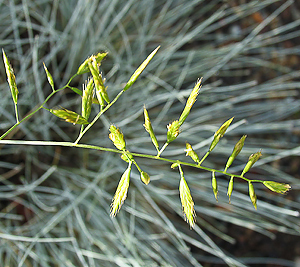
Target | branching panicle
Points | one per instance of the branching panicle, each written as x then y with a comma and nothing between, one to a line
91,65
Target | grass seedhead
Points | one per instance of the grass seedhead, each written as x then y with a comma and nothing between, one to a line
145,177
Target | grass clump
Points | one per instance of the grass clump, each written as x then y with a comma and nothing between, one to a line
71,198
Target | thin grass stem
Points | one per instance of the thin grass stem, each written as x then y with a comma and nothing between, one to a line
70,144
162,149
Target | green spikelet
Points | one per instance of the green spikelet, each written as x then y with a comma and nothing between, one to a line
69,116
219,134
214,185
116,136
252,159
190,152
252,194
173,131
236,150
140,69
230,188
280,188
121,192
190,102
87,99
11,78
149,129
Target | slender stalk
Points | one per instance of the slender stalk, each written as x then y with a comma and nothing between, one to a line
70,144
16,111
162,149
204,157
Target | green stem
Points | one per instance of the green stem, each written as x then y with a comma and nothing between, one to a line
162,149
16,111
70,144
204,157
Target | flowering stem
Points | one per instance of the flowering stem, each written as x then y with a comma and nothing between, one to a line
71,144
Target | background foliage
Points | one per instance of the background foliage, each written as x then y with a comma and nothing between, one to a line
55,201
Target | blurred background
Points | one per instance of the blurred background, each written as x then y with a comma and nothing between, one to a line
55,201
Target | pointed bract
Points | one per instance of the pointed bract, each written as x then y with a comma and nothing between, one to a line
87,99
